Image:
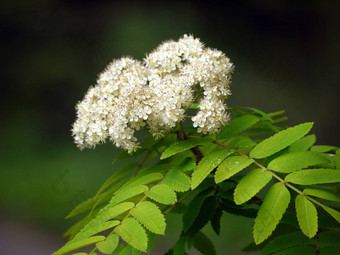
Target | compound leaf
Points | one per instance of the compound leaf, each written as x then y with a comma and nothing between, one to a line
307,216
133,233
314,176
109,245
271,211
250,185
206,165
162,193
231,166
280,140
148,214
297,160
184,145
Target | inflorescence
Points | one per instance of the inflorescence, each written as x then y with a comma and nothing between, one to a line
155,93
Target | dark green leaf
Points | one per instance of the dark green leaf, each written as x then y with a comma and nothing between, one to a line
305,250
215,221
285,241
238,125
203,244
193,209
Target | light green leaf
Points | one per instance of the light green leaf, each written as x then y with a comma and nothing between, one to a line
177,180
99,223
109,245
203,244
314,176
271,211
303,144
280,140
250,185
126,194
285,241
307,216
337,151
184,145
79,244
230,166
162,194
320,193
206,165
323,148
150,216
142,179
297,160
305,250
334,213
238,125
133,233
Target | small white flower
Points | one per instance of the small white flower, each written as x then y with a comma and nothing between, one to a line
131,94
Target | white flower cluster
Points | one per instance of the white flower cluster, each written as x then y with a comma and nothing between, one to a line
131,94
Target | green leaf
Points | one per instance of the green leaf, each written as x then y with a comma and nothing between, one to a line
151,241
285,241
250,185
230,166
271,211
320,193
330,237
149,215
133,233
177,180
122,250
323,148
329,250
206,165
307,216
162,194
334,213
203,244
238,125
185,165
305,250
314,176
280,140
259,112
215,221
206,212
184,145
297,160
79,244
109,245
193,209
142,179
303,144
117,176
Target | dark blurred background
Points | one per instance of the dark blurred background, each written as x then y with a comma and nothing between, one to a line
286,56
